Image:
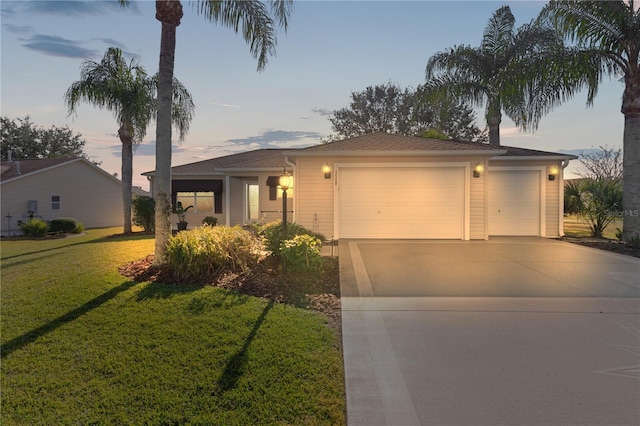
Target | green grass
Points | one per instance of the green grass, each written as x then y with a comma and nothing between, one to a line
575,226
82,344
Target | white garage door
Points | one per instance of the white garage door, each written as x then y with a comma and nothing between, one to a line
514,202
401,202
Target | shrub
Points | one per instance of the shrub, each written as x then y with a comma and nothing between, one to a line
274,237
35,228
64,225
301,253
601,200
206,251
210,220
144,213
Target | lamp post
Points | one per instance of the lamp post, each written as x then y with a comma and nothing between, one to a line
285,183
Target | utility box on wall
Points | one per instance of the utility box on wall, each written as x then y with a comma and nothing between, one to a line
32,206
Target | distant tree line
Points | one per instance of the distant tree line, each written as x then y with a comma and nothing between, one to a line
27,141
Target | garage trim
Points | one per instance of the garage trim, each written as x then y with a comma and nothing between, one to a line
543,176
463,165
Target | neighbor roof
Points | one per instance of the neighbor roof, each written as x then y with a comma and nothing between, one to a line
15,168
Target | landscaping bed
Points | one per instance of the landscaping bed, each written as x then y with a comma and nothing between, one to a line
604,244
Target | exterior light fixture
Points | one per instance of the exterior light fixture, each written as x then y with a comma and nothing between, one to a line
285,184
479,169
553,172
326,169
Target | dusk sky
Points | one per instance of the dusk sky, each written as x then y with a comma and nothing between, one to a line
330,50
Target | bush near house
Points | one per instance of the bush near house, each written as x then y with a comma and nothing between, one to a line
274,237
301,253
35,228
144,215
208,250
65,225
597,200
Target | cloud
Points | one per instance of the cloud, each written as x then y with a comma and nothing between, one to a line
58,46
18,29
111,42
322,111
76,8
225,105
279,139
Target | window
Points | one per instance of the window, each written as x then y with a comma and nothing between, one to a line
55,202
203,195
202,202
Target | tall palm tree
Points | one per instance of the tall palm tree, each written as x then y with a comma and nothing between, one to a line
495,74
609,31
257,24
127,91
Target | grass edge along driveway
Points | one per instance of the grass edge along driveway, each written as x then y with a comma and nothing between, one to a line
83,344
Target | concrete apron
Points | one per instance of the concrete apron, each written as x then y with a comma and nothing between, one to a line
500,332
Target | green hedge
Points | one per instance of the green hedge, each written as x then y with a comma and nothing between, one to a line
65,225
273,235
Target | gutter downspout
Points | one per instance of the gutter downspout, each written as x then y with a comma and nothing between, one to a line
291,164
564,165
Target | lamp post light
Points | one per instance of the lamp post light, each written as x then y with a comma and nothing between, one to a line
285,183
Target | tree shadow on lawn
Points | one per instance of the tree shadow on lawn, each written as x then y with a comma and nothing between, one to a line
233,370
31,336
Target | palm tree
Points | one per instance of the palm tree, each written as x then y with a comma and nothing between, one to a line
609,31
496,73
127,91
257,26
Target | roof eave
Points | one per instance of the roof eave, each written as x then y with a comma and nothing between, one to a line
533,157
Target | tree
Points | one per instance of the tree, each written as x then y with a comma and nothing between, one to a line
26,141
609,33
499,73
391,109
127,91
598,200
606,163
257,25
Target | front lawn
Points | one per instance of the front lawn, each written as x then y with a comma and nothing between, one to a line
82,344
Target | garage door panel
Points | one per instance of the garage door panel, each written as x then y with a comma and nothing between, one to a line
401,202
514,202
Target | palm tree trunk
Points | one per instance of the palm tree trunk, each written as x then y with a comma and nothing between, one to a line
494,117
631,176
169,13
127,175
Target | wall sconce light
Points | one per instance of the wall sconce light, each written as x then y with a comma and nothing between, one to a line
479,169
326,169
553,172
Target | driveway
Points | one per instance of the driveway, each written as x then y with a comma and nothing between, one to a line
510,331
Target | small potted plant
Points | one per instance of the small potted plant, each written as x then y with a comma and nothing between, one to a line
210,220
182,216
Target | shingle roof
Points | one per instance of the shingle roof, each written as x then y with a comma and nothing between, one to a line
259,158
526,152
389,142
12,169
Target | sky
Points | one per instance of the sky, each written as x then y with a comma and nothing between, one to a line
331,49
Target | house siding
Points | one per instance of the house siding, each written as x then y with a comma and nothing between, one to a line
86,193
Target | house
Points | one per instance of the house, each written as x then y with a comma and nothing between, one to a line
384,186
59,187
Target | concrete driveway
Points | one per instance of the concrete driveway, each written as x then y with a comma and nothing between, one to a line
510,331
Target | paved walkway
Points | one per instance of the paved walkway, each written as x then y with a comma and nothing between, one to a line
502,332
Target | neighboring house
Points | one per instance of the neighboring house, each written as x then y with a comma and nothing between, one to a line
60,187
384,186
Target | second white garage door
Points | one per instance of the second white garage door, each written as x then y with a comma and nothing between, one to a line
401,202
514,202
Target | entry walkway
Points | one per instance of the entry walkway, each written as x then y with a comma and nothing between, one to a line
502,332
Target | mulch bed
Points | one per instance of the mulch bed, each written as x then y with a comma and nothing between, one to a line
605,244
318,291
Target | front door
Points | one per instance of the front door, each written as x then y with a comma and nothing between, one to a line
253,202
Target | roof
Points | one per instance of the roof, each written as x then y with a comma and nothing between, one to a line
388,143
266,158
16,168
373,144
